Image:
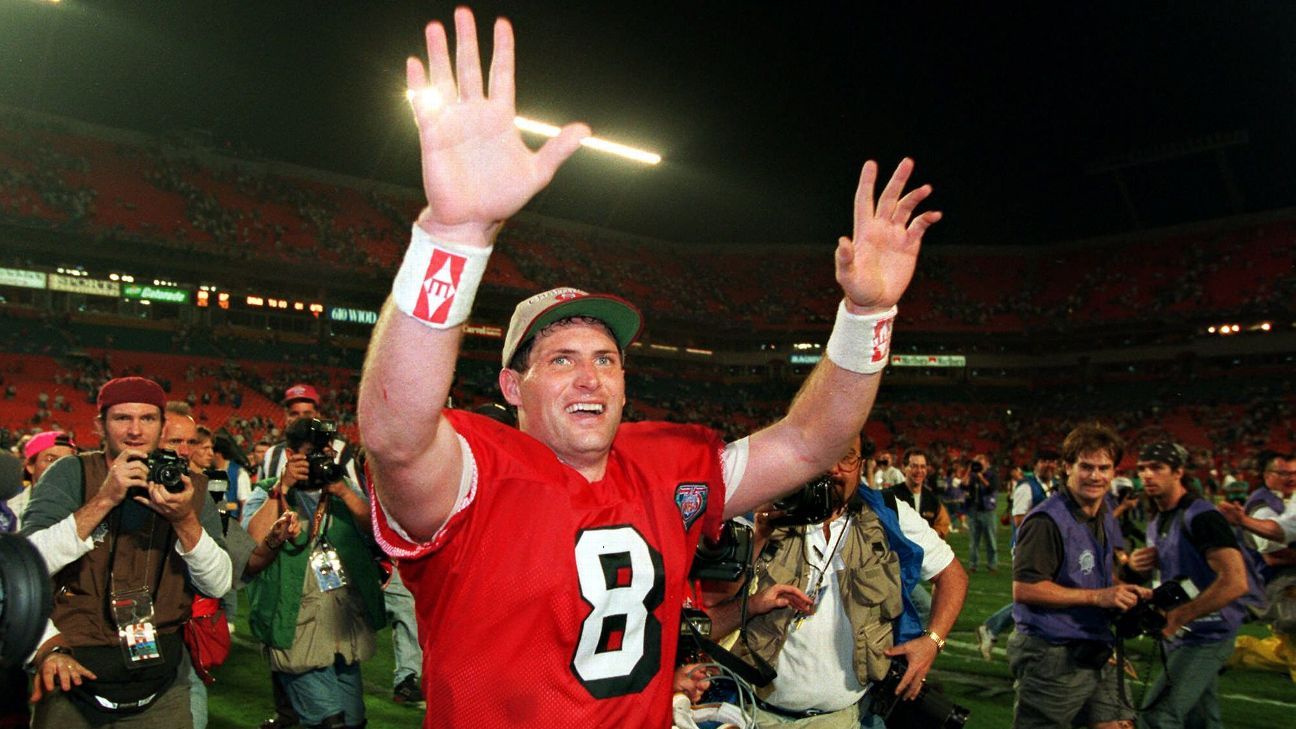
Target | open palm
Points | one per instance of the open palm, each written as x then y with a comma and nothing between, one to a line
476,169
875,265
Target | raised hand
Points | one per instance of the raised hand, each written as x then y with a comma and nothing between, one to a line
476,169
875,265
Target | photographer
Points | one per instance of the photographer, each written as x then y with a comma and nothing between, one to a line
820,586
1188,539
318,605
302,401
982,497
1065,592
1027,494
885,474
123,577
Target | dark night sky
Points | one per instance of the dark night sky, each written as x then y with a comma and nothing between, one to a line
762,113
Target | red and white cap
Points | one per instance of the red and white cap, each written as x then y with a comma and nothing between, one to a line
301,391
543,309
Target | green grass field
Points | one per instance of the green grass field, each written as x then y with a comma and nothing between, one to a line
240,699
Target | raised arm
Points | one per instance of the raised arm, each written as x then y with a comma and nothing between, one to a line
873,267
476,173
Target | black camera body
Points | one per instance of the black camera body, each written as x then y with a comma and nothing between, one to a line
1147,617
165,467
930,708
323,469
976,467
811,504
694,623
725,559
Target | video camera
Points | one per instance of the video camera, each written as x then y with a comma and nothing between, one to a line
725,559
930,708
26,599
693,623
1147,617
811,504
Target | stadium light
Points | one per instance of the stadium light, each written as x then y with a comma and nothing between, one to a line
431,98
596,143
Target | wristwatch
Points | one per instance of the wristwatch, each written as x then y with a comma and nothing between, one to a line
65,650
939,641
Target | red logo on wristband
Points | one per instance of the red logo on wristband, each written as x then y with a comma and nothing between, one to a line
882,339
440,284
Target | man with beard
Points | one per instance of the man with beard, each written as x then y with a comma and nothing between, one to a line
820,586
126,553
1029,493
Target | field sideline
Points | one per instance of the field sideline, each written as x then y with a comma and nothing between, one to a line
240,699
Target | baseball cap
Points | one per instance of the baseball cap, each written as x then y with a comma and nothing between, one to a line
131,389
44,441
543,309
301,391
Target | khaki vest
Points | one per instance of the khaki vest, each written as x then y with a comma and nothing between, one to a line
145,556
870,591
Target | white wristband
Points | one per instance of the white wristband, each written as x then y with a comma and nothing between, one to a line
861,343
437,282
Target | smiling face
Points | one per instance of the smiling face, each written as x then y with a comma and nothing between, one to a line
1089,478
571,395
131,426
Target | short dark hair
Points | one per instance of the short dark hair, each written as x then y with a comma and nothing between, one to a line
911,452
204,433
1092,438
1265,459
522,355
223,444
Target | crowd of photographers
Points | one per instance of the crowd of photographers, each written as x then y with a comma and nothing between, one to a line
149,540
1098,559
290,522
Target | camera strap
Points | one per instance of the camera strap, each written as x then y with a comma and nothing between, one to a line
759,675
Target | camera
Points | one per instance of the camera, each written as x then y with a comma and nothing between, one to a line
725,559
1147,617
693,623
26,599
812,503
165,468
930,708
975,467
323,469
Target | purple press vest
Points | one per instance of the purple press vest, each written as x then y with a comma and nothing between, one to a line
1084,565
1178,559
1263,496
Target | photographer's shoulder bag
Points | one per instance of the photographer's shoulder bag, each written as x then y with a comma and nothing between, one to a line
207,637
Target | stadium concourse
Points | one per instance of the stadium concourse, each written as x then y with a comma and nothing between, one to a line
228,279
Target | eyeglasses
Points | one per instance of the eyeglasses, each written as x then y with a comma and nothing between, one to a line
1283,474
850,461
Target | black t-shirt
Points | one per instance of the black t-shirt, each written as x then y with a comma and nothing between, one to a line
1208,531
1039,552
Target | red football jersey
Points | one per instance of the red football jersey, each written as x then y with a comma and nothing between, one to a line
550,600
